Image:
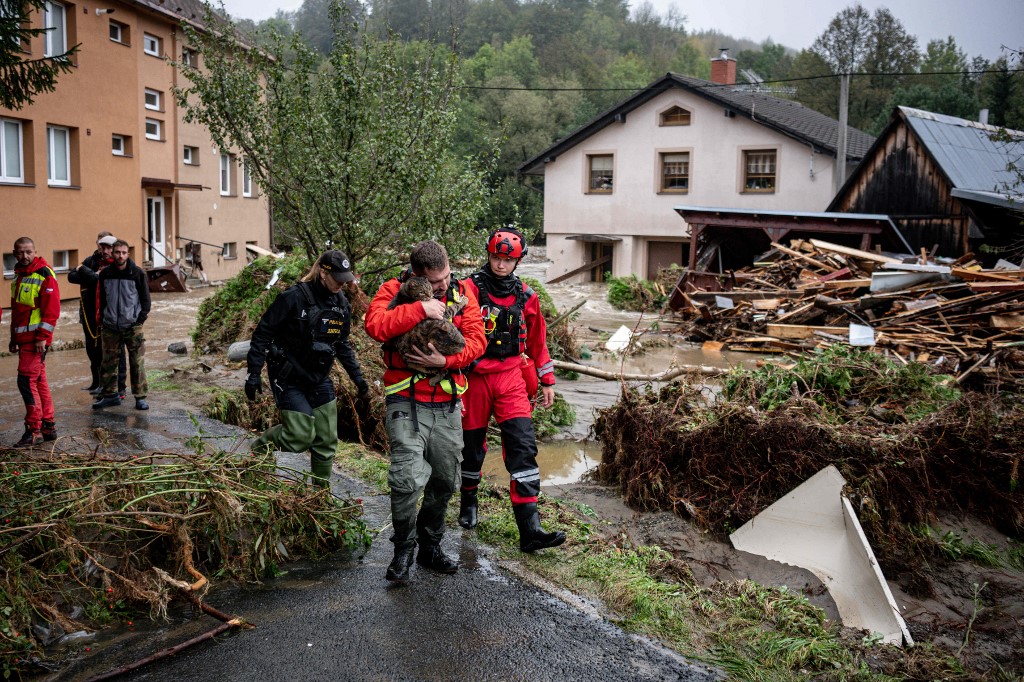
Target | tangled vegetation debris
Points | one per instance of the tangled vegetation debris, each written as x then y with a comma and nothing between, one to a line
86,540
632,293
910,447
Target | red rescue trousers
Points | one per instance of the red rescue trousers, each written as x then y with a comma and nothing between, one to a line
32,385
504,395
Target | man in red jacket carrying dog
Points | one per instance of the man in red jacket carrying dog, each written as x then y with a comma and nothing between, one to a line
423,419
35,307
497,385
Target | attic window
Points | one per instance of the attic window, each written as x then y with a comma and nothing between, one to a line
675,116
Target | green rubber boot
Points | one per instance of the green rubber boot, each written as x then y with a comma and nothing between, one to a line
325,443
293,434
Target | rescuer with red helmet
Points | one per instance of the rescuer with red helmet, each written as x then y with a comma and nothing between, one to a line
514,327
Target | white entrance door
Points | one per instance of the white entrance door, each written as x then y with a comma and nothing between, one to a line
155,224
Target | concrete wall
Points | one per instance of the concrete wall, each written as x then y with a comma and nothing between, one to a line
636,210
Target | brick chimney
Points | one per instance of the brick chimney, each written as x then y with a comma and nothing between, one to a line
723,69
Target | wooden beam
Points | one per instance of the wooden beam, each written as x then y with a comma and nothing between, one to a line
586,267
802,331
856,253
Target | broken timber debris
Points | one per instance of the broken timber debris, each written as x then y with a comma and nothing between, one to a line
954,314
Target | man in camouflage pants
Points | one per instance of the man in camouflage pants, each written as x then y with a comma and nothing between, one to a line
124,307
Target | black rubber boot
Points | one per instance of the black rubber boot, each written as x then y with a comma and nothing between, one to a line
433,558
49,430
467,508
531,536
29,438
398,571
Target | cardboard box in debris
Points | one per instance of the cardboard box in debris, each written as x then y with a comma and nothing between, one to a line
950,313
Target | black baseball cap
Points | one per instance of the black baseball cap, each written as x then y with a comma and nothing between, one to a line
338,265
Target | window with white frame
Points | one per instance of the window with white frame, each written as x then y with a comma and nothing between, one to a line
150,44
759,171
602,173
58,149
10,262
117,32
7,12
11,167
154,99
189,57
154,129
55,41
675,172
225,174
229,251
63,260
190,155
246,178
117,145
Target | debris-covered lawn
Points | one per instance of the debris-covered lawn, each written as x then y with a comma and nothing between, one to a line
913,448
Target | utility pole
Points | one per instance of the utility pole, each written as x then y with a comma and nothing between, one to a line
844,117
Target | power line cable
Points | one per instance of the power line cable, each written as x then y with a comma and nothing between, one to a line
766,82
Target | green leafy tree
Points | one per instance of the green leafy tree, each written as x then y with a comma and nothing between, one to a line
858,42
354,153
21,76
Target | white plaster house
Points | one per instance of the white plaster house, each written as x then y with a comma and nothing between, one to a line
610,187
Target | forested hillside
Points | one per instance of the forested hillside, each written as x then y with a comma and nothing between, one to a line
534,71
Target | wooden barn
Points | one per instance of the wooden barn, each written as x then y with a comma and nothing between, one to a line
944,182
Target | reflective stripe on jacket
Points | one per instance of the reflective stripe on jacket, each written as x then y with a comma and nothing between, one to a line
35,303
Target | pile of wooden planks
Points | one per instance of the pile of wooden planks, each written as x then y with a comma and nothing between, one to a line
806,294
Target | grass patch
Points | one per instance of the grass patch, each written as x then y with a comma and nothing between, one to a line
160,380
750,631
364,464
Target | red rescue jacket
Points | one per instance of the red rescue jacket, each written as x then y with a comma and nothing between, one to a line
35,303
383,325
536,345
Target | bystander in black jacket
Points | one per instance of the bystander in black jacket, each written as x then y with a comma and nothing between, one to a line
124,297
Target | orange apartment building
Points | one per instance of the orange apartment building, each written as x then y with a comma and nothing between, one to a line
108,150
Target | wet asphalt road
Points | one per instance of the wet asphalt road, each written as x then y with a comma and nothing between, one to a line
343,621
339,619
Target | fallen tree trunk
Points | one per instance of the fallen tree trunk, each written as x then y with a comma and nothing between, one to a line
667,375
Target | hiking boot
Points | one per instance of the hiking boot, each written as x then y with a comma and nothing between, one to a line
398,571
141,404
49,430
433,558
94,386
29,439
106,401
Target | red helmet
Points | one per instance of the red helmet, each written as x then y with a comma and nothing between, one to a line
507,242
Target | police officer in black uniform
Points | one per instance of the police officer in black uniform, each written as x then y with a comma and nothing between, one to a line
299,337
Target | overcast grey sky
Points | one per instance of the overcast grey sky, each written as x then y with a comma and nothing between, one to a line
979,26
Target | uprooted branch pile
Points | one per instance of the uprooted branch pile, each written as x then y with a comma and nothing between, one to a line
908,444
84,540
956,316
